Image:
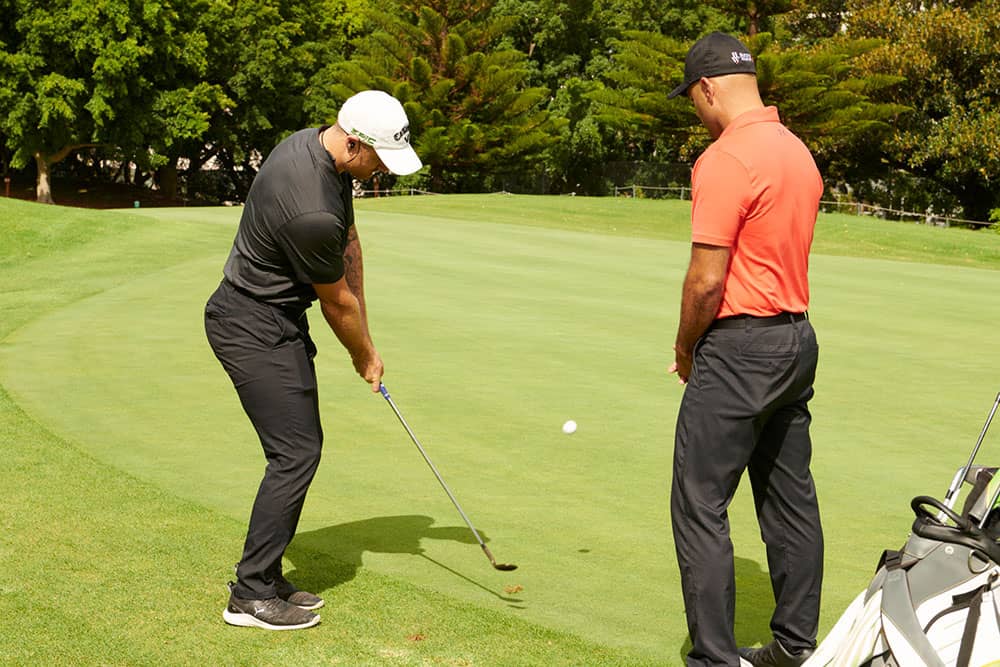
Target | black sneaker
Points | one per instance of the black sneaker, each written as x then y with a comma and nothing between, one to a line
271,614
289,593
773,655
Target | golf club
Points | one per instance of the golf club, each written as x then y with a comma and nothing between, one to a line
996,494
950,495
499,566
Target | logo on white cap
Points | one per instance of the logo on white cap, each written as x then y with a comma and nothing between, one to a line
379,120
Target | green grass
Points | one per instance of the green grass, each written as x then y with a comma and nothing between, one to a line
131,467
836,234
101,568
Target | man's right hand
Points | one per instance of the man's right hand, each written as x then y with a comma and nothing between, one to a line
371,369
682,364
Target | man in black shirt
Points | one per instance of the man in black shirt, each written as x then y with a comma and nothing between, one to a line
297,243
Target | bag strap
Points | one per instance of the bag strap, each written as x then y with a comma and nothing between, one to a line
973,601
891,560
898,612
971,625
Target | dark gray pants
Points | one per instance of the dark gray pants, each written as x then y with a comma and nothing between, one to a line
745,407
268,354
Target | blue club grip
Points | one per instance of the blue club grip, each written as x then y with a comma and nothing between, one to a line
385,392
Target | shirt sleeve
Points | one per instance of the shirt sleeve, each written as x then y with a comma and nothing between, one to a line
314,245
721,197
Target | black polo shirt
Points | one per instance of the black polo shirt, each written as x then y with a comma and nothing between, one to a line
294,226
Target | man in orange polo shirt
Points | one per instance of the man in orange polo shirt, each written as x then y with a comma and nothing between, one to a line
747,353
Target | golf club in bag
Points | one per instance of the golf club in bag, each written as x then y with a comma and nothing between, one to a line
486,550
936,601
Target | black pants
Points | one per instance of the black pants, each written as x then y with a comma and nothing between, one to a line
745,407
269,357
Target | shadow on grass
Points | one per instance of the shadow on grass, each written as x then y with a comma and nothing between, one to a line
331,556
754,605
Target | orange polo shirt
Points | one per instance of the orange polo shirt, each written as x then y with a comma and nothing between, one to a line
756,190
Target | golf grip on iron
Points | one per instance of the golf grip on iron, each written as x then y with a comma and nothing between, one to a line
399,415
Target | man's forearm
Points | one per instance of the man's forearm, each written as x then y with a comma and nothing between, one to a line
701,297
699,305
354,271
344,313
347,322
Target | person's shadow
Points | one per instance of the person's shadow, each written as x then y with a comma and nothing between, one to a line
754,605
331,556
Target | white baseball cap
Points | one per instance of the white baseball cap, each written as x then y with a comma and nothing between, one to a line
378,119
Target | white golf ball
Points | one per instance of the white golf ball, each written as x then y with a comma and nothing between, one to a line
569,427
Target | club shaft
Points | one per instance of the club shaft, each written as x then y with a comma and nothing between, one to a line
996,494
960,478
434,469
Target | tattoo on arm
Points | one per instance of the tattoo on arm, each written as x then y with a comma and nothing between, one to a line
354,269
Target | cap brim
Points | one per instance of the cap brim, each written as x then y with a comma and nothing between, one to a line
400,161
680,90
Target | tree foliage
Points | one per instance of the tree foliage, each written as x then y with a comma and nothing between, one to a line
647,66
813,87
757,16
264,55
809,22
826,104
944,57
77,73
575,46
469,102
542,94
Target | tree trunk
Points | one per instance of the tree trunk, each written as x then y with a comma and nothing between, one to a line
977,200
167,179
43,189
5,154
437,178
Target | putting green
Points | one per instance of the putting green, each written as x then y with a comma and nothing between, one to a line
493,335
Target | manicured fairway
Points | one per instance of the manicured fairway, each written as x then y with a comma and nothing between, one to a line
498,319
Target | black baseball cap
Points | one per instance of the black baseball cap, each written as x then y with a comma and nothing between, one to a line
715,54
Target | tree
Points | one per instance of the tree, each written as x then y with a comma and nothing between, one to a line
79,74
944,58
575,38
756,14
573,45
469,102
264,55
646,67
830,108
813,21
813,87
557,36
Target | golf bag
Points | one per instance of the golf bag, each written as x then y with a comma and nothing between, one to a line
936,601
